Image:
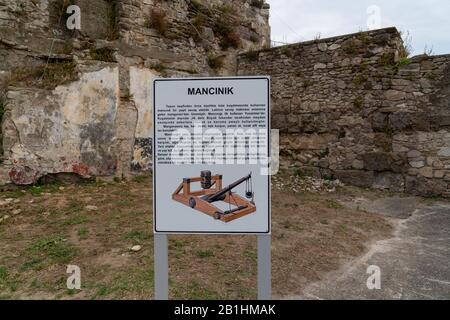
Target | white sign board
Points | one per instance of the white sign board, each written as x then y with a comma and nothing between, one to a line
210,155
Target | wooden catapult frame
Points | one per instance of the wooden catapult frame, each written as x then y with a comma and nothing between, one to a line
202,200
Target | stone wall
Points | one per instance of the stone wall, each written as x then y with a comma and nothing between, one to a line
79,101
355,108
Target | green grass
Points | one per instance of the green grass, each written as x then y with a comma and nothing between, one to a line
251,253
17,193
83,232
194,291
52,249
134,280
75,221
7,281
3,274
204,253
140,178
73,207
402,62
136,236
334,205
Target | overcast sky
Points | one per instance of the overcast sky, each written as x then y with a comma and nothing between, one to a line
428,21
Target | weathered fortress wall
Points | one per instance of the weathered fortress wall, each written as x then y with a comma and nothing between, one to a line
80,101
353,107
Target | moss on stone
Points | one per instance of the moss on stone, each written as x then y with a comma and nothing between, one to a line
103,54
45,76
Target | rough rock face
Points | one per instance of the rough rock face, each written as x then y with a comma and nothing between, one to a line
69,129
352,108
79,101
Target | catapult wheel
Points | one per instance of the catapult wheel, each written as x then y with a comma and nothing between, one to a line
192,202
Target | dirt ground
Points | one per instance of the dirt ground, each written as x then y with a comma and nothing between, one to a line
94,225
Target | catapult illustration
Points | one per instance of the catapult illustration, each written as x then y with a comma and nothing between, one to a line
212,191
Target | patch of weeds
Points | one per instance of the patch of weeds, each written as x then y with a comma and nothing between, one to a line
257,3
350,47
159,67
324,153
286,50
324,222
307,83
73,207
117,179
36,190
3,274
215,63
157,21
435,197
34,264
251,254
204,253
75,221
2,106
127,96
56,73
359,79
407,47
113,30
134,280
343,227
224,27
71,292
254,38
197,6
358,103
429,76
176,244
334,204
300,174
136,236
194,291
402,62
103,54
16,193
287,224
192,71
386,59
54,248
140,178
252,55
328,177
83,232
387,130
363,37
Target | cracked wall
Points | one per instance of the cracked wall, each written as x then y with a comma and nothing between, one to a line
352,107
68,129
96,119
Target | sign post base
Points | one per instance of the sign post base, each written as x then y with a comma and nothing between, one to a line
161,267
264,268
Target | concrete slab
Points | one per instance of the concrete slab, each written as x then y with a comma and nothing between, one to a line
414,264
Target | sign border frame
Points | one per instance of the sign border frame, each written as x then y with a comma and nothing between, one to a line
269,216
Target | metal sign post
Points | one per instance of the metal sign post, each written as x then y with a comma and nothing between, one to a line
161,267
211,154
264,268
